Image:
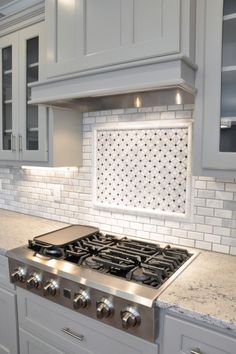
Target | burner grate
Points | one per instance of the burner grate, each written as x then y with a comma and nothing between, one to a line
134,260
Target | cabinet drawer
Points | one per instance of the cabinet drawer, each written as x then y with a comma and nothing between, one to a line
4,273
187,337
57,325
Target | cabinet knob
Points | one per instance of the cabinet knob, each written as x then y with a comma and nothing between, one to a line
130,318
104,309
81,300
51,288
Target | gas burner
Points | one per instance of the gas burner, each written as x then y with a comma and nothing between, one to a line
90,262
137,274
53,252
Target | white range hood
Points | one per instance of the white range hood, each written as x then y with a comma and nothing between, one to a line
154,76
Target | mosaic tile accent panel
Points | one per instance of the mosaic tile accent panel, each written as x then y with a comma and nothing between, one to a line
143,168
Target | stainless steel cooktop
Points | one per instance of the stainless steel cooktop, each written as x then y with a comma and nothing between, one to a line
113,280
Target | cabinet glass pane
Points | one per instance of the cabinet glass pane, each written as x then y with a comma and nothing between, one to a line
228,79
7,58
229,42
7,86
229,7
32,51
32,141
7,97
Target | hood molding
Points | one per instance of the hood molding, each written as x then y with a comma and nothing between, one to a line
178,72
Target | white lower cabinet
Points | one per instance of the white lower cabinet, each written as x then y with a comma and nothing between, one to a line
183,337
61,330
8,317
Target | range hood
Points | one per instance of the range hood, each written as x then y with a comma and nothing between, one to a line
85,88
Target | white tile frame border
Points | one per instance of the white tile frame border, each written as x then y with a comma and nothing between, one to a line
171,124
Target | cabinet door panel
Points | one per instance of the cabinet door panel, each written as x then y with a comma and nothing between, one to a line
108,32
187,337
99,16
8,324
33,119
9,53
65,45
148,20
29,344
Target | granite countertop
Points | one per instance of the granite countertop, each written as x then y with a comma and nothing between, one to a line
205,291
17,228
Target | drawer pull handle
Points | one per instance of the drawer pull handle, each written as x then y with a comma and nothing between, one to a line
73,334
196,351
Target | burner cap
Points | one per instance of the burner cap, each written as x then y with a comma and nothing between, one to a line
91,263
138,275
53,252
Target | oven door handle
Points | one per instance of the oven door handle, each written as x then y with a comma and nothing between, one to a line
73,334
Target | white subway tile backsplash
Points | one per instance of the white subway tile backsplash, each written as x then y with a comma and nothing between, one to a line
67,196
220,248
203,245
217,186
195,235
230,187
224,195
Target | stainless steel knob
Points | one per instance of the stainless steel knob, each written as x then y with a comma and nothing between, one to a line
130,317
18,275
51,288
104,308
34,281
81,300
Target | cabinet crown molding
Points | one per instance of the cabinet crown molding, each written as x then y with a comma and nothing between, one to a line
22,18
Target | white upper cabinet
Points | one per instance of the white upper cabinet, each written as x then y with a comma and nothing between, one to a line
91,34
22,126
31,134
215,128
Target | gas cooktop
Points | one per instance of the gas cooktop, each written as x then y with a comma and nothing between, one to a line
141,262
112,279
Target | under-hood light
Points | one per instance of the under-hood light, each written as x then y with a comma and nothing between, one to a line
66,169
178,98
138,101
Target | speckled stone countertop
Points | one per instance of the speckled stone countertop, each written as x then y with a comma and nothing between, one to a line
16,229
205,291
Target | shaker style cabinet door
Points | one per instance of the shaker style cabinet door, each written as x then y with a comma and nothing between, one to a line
8,323
23,127
91,34
215,128
9,53
32,135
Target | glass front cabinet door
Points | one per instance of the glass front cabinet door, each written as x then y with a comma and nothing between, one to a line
23,126
216,84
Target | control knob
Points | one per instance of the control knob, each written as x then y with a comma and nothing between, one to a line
104,308
34,281
130,317
51,288
81,300
18,274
